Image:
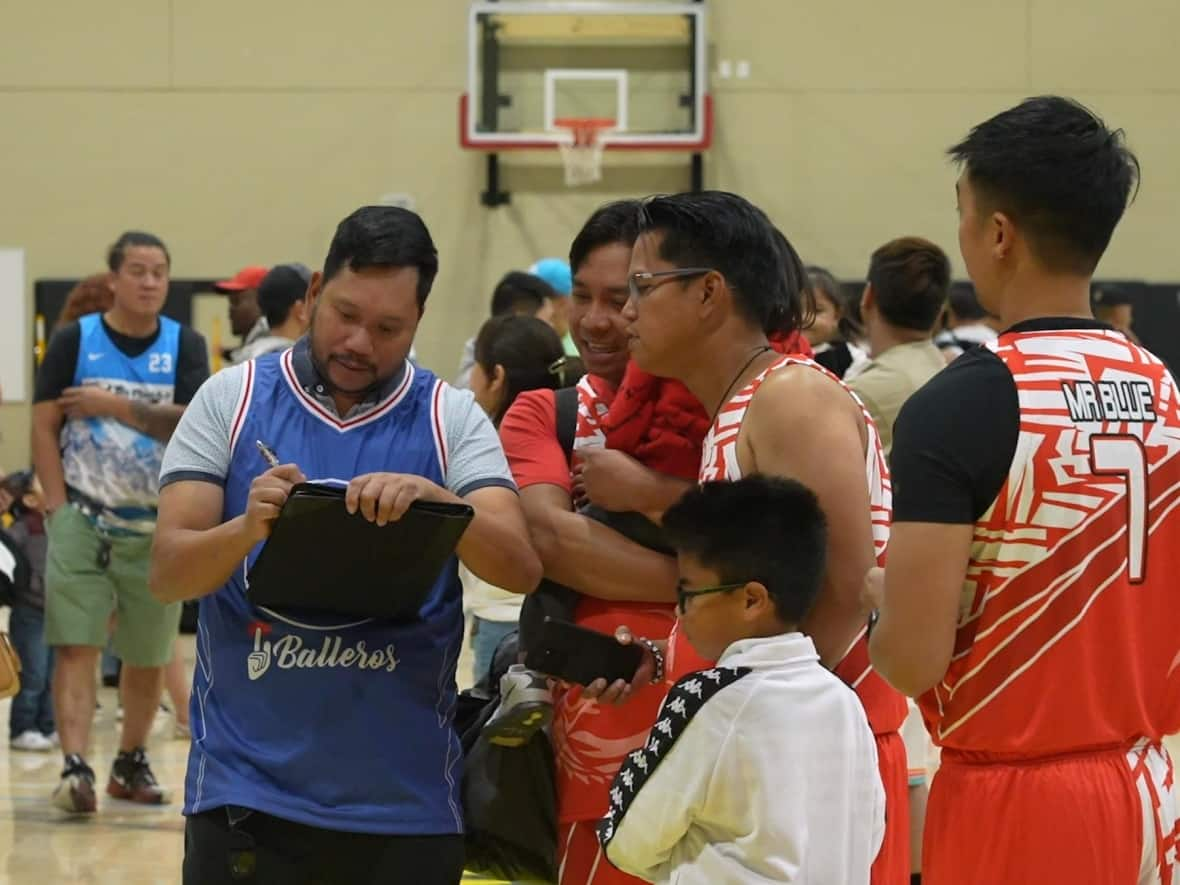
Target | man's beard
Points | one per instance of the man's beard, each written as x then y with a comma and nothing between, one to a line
331,386
321,367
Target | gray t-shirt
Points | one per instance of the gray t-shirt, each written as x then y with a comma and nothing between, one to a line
200,447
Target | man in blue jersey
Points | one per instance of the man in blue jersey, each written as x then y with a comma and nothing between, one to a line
323,747
108,396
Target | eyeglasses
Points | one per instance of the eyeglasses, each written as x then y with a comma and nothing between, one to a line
640,284
683,595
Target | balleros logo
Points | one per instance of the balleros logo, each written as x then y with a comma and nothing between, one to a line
292,653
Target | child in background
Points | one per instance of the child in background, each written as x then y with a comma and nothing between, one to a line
512,354
30,723
762,768
835,333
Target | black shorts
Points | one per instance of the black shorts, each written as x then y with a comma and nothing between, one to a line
236,846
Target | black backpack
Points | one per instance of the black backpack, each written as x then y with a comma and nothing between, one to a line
15,570
509,794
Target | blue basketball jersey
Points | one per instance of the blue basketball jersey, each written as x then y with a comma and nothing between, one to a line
337,722
104,459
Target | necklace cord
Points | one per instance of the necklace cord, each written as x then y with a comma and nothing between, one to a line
736,379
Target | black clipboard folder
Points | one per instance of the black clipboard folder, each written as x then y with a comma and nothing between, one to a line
319,557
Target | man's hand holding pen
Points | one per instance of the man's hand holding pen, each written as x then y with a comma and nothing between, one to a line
268,494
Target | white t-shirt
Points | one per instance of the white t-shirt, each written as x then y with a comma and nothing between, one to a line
487,601
773,779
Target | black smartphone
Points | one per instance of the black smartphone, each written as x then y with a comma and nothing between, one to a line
579,655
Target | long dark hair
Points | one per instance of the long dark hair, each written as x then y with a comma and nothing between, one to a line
530,353
730,234
130,239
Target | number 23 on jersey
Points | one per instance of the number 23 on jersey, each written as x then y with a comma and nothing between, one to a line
160,362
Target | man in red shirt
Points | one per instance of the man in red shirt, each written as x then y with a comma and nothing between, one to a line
619,581
1030,596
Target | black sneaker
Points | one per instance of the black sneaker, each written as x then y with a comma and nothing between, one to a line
75,793
526,706
132,779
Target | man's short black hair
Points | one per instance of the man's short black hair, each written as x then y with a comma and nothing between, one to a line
1053,167
284,286
734,237
384,237
964,303
616,222
520,293
910,277
1111,296
760,528
130,239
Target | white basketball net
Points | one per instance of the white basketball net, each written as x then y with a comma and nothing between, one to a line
582,155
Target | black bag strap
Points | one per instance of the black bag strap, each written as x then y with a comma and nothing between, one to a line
552,599
566,401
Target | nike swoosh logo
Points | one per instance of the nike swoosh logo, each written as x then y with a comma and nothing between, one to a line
95,356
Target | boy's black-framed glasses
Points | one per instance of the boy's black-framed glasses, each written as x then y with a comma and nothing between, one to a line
683,595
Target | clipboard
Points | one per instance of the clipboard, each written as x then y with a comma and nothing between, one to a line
321,558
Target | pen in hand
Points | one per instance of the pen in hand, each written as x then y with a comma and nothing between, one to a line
270,456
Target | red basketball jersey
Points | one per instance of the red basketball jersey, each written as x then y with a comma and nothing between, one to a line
886,708
1069,628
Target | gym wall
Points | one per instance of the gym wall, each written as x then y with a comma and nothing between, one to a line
242,132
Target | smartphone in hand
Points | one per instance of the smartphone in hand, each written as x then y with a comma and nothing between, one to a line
576,654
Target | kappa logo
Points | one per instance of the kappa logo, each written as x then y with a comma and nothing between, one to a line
291,653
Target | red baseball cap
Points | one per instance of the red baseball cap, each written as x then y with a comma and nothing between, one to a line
246,278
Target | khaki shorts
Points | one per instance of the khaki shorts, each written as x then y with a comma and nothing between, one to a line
80,594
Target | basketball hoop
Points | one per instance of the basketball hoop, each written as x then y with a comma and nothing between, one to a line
582,153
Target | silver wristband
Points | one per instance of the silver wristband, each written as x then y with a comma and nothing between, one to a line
657,655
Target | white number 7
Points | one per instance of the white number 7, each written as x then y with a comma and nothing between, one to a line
1124,456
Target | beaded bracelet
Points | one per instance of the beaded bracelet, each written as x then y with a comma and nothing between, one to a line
657,655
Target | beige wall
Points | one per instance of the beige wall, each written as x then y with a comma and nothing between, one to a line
242,132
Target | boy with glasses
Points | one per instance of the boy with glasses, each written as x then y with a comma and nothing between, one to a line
762,768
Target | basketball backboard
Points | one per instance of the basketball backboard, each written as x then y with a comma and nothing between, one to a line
535,67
